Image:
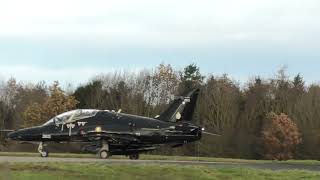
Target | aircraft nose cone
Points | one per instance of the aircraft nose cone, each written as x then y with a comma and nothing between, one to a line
13,136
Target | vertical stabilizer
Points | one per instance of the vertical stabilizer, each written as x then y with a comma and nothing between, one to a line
182,108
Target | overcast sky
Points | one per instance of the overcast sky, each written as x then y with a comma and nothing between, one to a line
73,40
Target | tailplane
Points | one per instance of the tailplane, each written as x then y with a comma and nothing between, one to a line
182,108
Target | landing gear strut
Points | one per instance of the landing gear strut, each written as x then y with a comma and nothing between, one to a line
42,150
134,156
104,152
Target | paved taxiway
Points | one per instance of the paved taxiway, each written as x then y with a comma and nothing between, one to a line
266,166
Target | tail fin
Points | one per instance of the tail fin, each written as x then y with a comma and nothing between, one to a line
182,108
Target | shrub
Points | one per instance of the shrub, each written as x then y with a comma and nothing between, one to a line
280,137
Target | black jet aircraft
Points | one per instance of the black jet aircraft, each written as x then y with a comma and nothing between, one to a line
115,133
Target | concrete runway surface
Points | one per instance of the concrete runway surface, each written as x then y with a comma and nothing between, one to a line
264,166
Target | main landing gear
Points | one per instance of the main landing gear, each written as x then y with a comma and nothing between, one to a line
134,156
42,150
104,152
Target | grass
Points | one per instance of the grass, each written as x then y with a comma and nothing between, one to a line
171,158
97,171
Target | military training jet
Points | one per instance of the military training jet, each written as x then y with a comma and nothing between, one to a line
114,133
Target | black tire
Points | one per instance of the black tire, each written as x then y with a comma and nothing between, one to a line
134,156
44,154
104,154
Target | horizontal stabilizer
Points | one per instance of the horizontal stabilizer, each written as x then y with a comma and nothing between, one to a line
211,134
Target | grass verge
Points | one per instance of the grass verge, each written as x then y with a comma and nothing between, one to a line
97,171
170,158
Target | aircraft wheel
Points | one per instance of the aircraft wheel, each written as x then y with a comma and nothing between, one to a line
104,154
44,154
134,156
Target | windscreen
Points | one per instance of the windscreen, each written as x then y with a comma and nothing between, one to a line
72,116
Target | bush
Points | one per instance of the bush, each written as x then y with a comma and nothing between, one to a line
280,137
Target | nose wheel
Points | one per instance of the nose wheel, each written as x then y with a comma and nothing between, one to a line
42,150
44,154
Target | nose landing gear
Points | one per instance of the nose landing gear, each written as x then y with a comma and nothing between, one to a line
42,150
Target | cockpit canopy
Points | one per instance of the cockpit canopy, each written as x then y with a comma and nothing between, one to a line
72,116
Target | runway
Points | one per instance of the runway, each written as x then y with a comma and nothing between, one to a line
263,166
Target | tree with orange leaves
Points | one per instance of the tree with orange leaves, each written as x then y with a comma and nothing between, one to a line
280,137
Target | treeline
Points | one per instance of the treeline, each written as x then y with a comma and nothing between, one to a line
238,113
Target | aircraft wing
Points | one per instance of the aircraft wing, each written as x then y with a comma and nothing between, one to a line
124,137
